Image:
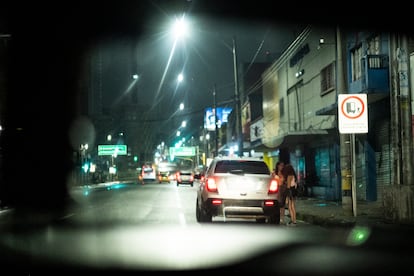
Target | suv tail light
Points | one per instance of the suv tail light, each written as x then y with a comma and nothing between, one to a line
269,203
211,185
273,186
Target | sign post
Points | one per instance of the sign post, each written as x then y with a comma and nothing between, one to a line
352,113
353,118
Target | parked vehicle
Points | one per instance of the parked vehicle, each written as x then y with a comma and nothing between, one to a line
240,188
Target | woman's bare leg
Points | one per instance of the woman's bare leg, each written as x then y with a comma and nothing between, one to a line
292,210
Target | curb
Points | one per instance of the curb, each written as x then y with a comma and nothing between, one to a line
325,221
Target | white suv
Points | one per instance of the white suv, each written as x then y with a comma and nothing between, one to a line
239,188
148,173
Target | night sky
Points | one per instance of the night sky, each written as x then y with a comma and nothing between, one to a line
204,57
133,37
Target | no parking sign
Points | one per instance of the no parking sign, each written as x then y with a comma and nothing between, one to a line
352,113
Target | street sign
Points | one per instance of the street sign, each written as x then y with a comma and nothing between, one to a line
352,113
112,149
183,151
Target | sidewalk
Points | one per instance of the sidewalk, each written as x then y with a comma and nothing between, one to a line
331,213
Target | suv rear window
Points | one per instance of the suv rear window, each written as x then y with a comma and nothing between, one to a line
242,166
148,169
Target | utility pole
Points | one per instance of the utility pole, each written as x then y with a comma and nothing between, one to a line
404,109
215,120
400,194
345,140
237,107
205,155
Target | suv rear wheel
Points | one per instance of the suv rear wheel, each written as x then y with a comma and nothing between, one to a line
274,219
202,215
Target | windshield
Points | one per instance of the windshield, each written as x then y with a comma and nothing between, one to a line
112,116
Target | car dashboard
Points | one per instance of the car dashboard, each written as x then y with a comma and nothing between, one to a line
106,249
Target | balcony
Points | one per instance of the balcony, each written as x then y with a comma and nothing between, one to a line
374,76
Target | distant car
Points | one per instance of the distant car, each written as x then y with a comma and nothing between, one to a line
148,173
166,176
199,172
239,188
166,172
185,176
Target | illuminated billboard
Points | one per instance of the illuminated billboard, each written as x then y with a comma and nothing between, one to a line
222,117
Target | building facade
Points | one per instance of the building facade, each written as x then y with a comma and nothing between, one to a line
299,122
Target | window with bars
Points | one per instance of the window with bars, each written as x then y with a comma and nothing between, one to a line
327,79
356,63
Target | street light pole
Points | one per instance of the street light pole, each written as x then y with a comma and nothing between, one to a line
237,107
215,120
207,138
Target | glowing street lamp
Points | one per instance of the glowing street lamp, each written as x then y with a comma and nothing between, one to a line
180,28
180,77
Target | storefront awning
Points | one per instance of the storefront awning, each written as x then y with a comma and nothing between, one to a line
291,138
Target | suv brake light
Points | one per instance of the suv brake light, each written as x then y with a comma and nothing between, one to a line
211,185
273,187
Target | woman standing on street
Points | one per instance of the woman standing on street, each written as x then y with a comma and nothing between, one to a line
289,176
282,189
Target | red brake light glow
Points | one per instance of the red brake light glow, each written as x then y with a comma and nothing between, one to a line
211,185
216,201
273,187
